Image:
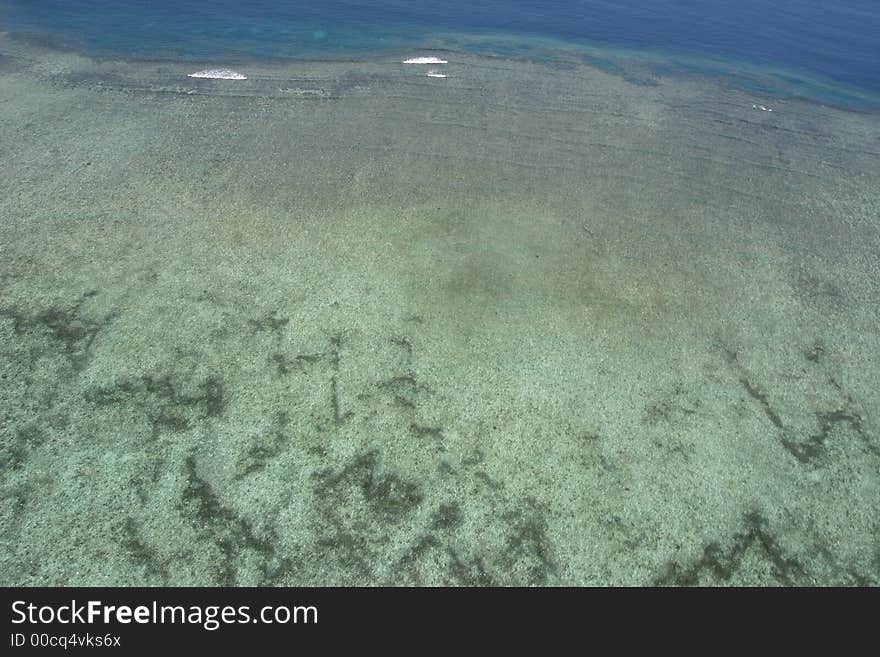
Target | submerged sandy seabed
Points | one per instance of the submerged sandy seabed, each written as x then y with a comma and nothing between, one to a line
339,324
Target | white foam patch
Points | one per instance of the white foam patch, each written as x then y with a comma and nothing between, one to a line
435,74
218,74
425,60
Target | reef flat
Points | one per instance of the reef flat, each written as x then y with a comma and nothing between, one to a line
535,323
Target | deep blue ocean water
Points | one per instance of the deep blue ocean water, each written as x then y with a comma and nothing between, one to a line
835,39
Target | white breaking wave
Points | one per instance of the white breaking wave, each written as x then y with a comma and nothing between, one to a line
435,74
425,60
218,74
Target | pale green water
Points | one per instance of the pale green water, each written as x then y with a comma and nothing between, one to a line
345,324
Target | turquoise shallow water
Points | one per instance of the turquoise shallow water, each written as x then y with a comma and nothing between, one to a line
570,315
